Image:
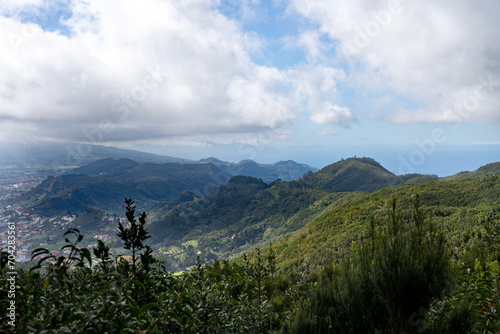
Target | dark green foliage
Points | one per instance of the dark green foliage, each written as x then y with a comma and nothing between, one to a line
134,235
397,270
398,276
239,297
65,294
101,252
475,301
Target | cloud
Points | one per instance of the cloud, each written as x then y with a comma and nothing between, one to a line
136,72
313,46
332,114
434,53
315,86
10,7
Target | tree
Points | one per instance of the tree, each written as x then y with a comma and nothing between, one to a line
134,236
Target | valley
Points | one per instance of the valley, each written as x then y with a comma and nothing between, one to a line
200,210
282,247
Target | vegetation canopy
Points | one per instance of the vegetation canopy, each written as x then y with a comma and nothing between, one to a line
399,276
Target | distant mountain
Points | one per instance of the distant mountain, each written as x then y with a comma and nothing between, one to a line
283,170
108,167
105,183
51,154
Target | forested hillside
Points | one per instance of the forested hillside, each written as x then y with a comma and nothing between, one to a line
391,261
248,213
414,258
104,183
461,208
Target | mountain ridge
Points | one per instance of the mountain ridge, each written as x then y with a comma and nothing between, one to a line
241,212
147,183
288,170
54,154
246,212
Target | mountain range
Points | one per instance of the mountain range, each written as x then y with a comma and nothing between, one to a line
202,209
65,157
283,170
246,212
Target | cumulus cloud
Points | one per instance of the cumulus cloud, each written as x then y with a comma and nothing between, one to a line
434,53
331,114
316,87
163,70
129,71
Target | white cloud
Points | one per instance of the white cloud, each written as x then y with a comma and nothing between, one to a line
96,84
311,43
332,114
315,86
430,52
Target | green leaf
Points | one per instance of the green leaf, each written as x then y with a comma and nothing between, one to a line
138,284
131,302
149,306
86,254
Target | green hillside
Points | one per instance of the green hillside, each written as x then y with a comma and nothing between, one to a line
408,258
358,174
248,213
74,193
460,207
235,218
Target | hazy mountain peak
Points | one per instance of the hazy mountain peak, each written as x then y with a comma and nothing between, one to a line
212,160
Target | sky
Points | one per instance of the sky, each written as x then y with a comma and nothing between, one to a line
413,84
